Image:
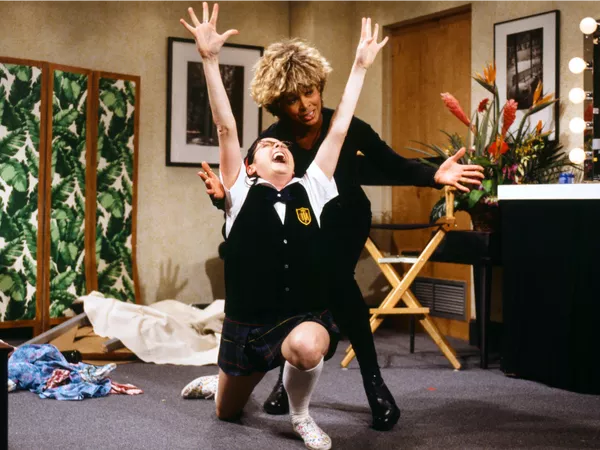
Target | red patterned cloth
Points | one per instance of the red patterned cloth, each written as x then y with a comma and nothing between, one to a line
127,389
58,377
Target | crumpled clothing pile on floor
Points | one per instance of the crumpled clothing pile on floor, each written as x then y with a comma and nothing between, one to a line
43,369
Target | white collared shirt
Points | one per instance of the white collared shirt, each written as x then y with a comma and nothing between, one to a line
319,188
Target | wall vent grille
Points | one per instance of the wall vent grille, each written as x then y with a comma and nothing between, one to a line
444,298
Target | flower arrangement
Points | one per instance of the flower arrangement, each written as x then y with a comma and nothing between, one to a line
524,156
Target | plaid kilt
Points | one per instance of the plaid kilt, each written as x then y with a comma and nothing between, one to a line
247,348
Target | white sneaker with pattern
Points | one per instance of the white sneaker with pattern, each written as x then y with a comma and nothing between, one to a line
314,438
202,387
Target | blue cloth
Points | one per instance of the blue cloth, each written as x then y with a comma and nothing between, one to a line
30,367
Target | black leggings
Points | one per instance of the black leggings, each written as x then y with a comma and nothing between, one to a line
346,230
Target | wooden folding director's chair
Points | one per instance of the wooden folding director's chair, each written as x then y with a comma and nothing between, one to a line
400,285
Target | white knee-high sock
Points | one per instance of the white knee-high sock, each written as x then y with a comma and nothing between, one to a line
300,385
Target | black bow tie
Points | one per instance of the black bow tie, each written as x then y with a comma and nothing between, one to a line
280,196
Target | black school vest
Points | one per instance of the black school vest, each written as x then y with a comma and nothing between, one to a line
273,270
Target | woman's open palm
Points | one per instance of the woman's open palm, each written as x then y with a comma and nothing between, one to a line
208,41
368,47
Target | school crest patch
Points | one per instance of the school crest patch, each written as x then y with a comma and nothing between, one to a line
303,215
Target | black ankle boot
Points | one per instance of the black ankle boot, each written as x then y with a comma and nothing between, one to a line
383,406
277,403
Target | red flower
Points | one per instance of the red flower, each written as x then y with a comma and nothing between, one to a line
510,113
498,147
483,104
454,107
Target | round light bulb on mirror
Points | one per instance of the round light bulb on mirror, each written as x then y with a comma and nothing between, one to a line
577,156
577,65
588,25
577,125
577,95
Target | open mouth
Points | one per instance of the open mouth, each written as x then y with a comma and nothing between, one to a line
309,116
279,157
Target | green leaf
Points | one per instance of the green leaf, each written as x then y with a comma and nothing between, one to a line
474,197
75,89
487,185
108,98
69,252
114,101
130,92
14,174
426,162
30,271
12,285
65,118
435,148
541,106
66,94
420,151
33,127
29,236
129,290
108,176
63,280
111,201
62,191
23,73
12,142
484,85
109,275
59,214
11,252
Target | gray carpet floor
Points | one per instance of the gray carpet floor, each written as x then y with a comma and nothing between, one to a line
441,408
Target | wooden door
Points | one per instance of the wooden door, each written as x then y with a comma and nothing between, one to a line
429,57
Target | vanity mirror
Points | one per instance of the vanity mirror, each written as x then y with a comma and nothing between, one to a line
591,98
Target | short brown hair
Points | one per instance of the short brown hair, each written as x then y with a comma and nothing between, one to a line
289,66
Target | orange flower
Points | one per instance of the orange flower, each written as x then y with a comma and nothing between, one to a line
510,113
538,128
483,104
455,108
489,74
538,93
498,147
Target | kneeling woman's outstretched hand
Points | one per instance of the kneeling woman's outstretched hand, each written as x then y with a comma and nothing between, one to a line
208,41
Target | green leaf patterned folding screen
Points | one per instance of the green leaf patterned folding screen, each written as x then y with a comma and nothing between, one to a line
67,274
20,130
118,110
68,175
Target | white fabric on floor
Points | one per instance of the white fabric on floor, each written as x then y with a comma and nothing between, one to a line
166,332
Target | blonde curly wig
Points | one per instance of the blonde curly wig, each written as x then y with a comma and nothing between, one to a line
287,67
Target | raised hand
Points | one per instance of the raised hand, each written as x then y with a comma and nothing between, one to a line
208,41
452,173
368,47
214,188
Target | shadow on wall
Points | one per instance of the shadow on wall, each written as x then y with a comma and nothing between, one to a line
168,287
215,271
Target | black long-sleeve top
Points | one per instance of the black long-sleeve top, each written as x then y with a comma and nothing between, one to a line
350,170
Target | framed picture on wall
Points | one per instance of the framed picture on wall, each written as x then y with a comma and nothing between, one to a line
526,52
191,132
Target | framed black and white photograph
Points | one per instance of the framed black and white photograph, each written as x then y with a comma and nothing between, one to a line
191,132
526,52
